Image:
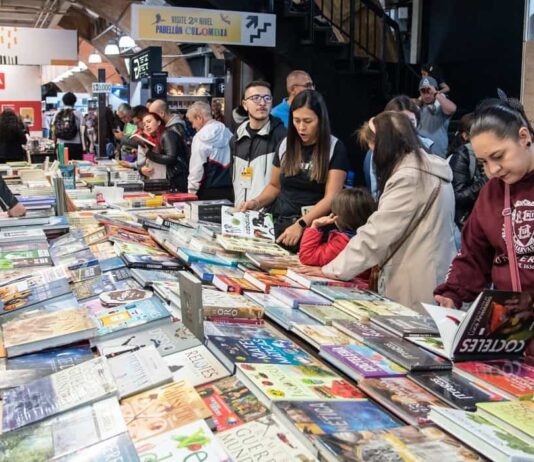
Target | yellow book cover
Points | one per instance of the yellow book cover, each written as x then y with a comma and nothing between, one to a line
114,319
516,414
162,409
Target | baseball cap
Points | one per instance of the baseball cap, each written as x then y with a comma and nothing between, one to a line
428,82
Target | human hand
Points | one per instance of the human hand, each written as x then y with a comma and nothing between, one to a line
445,302
252,204
324,221
147,171
310,270
125,164
17,211
291,235
118,135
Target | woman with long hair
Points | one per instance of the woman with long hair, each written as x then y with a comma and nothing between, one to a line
153,128
309,169
12,137
410,236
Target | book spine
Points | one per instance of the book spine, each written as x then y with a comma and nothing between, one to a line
238,312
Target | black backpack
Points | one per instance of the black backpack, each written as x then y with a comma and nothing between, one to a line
65,125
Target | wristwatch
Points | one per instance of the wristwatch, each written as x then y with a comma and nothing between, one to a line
302,223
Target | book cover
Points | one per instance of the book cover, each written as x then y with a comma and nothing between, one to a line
64,434
191,256
73,387
94,287
407,326
359,361
265,282
231,403
157,262
129,316
514,416
80,259
238,330
192,310
167,339
194,441
23,235
385,308
497,324
511,378
265,300
311,282
320,335
23,255
139,370
36,331
110,264
269,262
358,330
324,314
147,277
286,317
123,296
296,383
257,246
455,390
50,361
217,303
295,297
128,248
22,295
353,309
432,344
407,354
402,397
206,271
233,285
117,448
334,293
482,435
266,436
161,409
249,224
196,365
407,443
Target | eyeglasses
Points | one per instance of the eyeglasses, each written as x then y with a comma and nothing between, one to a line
256,99
308,85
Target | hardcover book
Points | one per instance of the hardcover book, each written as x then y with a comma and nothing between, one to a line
192,309
324,314
139,370
311,382
23,255
295,297
498,324
359,361
231,403
407,326
197,365
319,335
234,285
217,303
85,383
161,409
402,397
206,271
37,331
157,262
432,344
266,436
188,442
408,355
454,389
358,330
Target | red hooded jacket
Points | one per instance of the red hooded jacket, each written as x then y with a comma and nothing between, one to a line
483,259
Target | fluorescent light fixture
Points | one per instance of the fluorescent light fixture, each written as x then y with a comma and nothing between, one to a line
81,66
95,58
126,42
111,48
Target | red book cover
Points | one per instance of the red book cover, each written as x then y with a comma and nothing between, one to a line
233,285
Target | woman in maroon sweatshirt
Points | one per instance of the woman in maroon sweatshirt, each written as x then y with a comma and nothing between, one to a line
502,139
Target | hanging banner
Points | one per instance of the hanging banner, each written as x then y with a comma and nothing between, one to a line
28,46
195,25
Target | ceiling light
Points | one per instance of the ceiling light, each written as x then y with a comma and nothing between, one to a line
81,66
111,48
126,42
95,58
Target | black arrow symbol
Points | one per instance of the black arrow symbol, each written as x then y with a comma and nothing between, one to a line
252,21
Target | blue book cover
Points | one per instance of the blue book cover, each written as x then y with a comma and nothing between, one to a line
80,259
327,417
260,350
286,317
33,296
192,256
206,271
110,264
51,361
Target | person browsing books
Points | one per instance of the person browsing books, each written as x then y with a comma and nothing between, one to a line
351,208
410,236
153,128
9,203
501,137
309,169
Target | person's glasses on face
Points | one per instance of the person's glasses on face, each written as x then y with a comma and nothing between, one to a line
257,99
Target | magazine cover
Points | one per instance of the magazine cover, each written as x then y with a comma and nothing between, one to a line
251,224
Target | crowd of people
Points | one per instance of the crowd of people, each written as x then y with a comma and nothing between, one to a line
401,232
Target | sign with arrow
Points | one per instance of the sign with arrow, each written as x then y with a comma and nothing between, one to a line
195,25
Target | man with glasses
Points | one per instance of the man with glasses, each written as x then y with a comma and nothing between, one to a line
255,142
436,111
296,82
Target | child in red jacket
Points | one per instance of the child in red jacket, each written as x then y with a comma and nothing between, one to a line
350,209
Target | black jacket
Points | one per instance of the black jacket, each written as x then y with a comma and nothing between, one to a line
173,153
7,199
11,148
468,179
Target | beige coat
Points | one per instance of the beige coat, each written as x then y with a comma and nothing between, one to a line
422,261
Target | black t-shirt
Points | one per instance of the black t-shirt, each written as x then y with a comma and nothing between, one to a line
300,191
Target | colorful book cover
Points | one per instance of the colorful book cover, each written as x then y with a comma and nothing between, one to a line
432,344
118,448
82,384
360,361
515,414
353,309
64,434
297,383
22,255
407,326
196,365
158,262
345,293
94,287
324,314
320,335
287,317
358,330
52,360
311,282
249,224
408,443
454,389
110,264
386,308
77,260
206,271
217,303
408,355
266,300
233,285
266,436
22,295
269,262
295,297
191,256
161,409
127,248
402,397
260,350
231,403
243,245
194,441
123,296
265,282
493,373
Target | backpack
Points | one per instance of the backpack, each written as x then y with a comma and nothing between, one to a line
65,125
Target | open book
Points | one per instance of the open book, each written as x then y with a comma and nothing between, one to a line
251,224
497,324
142,141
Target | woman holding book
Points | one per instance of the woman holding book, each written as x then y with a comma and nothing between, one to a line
150,140
498,237
410,236
309,169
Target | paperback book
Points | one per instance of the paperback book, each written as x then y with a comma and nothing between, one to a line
47,362
146,278
217,303
249,224
157,262
358,330
270,262
329,286
191,256
30,292
295,297
324,314
120,447
123,296
407,326
256,246
513,416
233,285
265,282
206,271
287,317
319,335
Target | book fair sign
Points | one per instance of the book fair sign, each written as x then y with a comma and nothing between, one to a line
195,25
